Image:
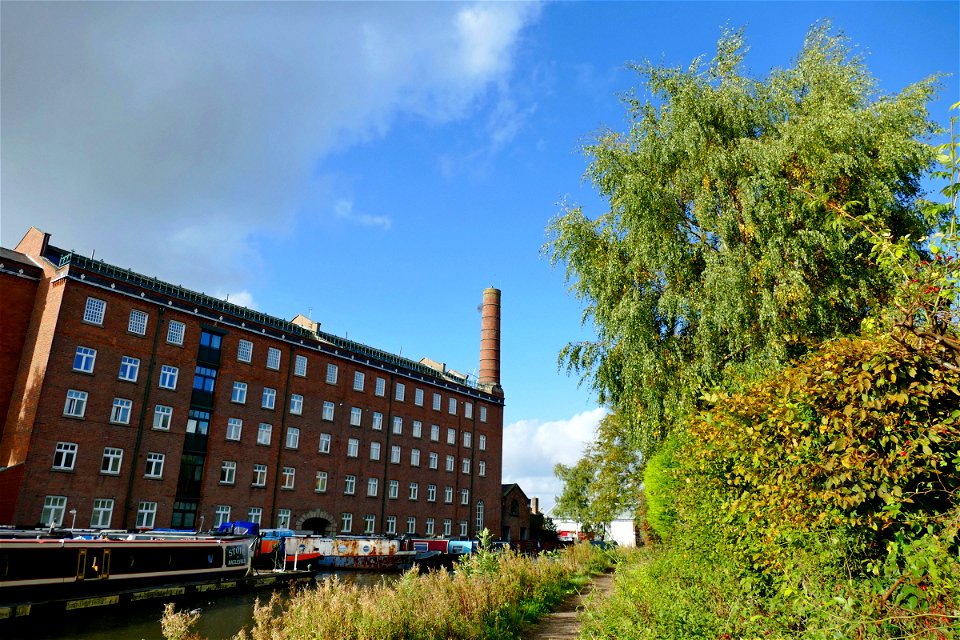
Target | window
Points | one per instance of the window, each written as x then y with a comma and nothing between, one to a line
483,414
321,484
467,439
436,402
468,410
372,487
381,389
447,527
369,522
349,485
324,443
463,528
293,438
414,457
300,366
480,515
358,381
289,477
411,524
269,398
331,374
377,421
481,468
346,522
273,358
254,514
175,332
76,403
245,351
431,493
53,509
228,472
296,404
138,322
168,377
482,442
65,456
221,515
397,425
84,359
283,518
451,436
129,368
452,406
259,475
417,429
353,447
428,527
356,415
110,464
394,492
93,312
146,515
448,495
154,465
418,397
399,392
234,428
391,525
464,496
239,393
395,454
328,411
435,432
374,450
414,490
264,433
102,513
120,414
465,465
450,463
433,460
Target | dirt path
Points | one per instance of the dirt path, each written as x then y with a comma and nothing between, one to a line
563,624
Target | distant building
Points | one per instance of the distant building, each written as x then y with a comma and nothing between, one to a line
623,531
131,402
515,514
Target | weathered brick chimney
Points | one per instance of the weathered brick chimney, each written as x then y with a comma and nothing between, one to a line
490,342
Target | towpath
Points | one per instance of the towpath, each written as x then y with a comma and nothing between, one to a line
564,623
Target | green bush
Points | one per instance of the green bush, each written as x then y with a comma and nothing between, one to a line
659,487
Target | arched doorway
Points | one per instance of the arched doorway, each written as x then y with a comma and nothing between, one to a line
317,522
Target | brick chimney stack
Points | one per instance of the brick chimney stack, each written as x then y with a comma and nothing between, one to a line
490,341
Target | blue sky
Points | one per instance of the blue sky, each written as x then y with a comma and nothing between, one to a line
374,165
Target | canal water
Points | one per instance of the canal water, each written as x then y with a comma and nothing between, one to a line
221,618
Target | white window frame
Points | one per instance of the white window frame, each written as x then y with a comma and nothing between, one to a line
268,400
102,513
273,358
353,447
448,494
447,527
482,442
391,525
94,312
434,460
283,518
296,404
377,422
111,462
239,393
356,416
451,435
467,439
146,515
228,472
399,392
176,331
325,443
138,322
395,454
431,493
154,465
320,483
374,450
293,438
349,485
259,475
264,433
381,387
369,523
129,369
168,377
65,456
255,514
84,359
346,522
76,404
289,475
394,490
450,464
481,468
411,524
373,486
464,496
397,425
234,429
465,466
54,509
468,410
414,491
435,433
414,457
417,429
328,411
162,417
221,515
120,411
418,397
358,379
428,527
452,406
332,373
300,366
244,351
483,414
463,528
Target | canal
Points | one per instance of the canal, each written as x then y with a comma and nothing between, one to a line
221,618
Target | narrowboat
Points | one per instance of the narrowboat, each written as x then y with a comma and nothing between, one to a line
350,552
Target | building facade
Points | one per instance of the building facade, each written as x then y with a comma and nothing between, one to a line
131,402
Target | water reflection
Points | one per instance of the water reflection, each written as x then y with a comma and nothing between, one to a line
221,618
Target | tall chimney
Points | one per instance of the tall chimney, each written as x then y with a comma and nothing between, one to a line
490,339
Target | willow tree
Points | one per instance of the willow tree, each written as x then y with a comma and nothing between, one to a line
721,254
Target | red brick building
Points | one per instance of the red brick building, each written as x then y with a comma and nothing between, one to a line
131,402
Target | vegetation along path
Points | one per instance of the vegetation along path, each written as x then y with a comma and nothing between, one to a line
564,622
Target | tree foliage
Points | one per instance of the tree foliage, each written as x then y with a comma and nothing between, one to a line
720,253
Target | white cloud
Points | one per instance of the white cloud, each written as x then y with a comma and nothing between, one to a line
531,448
242,298
344,210
201,124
